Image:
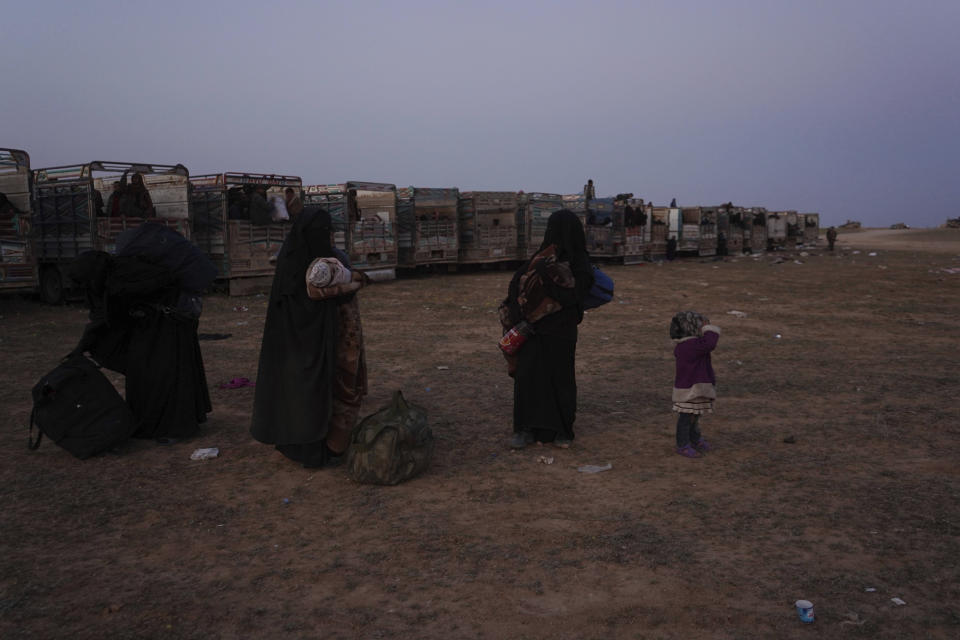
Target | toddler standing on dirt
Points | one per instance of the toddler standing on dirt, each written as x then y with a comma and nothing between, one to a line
694,387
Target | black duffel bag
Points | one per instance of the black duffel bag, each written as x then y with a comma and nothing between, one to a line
77,407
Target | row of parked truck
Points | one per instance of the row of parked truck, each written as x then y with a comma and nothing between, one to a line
54,214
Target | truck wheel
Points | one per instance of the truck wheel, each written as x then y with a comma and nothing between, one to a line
51,285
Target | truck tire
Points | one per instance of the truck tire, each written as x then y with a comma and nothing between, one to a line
51,285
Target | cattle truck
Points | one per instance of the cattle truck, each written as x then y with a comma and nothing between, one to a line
427,229
488,226
73,212
534,211
18,268
243,252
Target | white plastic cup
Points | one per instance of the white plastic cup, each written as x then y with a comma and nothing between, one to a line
805,610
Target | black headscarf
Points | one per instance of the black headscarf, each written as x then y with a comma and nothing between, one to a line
565,230
308,240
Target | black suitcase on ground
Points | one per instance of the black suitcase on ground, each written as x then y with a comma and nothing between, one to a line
77,407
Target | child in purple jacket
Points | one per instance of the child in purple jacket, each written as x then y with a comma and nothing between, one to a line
694,387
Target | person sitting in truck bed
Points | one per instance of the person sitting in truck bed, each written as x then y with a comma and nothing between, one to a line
260,210
135,201
113,202
294,205
237,199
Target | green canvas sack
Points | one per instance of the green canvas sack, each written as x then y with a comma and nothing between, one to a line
392,445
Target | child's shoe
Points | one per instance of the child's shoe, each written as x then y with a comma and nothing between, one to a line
703,446
689,452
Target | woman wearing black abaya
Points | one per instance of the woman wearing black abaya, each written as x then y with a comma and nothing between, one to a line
544,384
294,399
144,314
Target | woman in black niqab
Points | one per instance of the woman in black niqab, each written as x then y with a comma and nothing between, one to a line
544,384
293,401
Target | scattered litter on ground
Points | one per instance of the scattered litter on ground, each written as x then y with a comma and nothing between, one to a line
545,460
236,383
778,336
805,610
797,262
240,307
870,589
951,270
790,439
213,336
897,601
443,367
778,261
804,254
242,322
285,501
205,454
738,314
872,254
882,266
740,362
426,388
853,618
592,468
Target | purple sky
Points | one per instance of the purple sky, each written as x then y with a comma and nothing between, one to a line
846,107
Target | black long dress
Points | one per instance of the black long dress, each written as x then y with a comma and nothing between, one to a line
137,329
293,401
544,383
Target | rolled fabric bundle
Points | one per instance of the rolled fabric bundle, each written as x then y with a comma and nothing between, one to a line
327,272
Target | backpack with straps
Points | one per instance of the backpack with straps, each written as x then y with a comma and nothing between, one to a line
601,292
77,407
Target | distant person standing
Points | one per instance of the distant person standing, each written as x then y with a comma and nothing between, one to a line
294,205
589,193
831,237
113,202
135,201
260,210
673,203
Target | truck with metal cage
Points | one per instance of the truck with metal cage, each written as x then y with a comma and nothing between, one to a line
659,231
70,215
755,229
810,225
636,234
243,251
730,226
707,237
777,229
364,216
18,269
687,228
427,226
488,226
535,210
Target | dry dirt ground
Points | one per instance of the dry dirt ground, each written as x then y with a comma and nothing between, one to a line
853,355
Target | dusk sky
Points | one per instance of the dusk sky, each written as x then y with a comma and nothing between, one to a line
846,107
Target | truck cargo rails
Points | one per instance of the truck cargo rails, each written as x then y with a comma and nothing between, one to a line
242,243
84,207
427,227
18,268
488,227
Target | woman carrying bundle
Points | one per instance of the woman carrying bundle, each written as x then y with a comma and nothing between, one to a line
312,374
546,295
